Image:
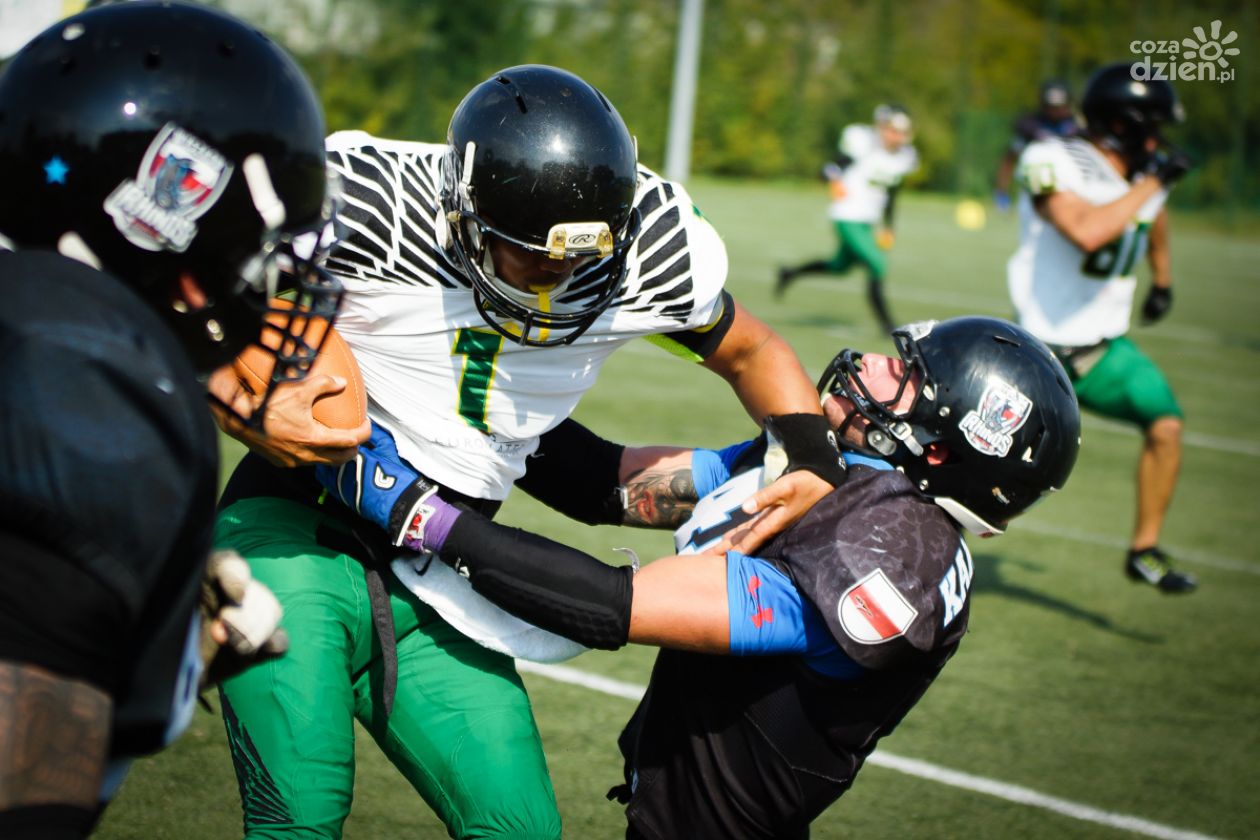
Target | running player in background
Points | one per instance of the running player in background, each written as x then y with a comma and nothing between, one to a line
1091,208
863,180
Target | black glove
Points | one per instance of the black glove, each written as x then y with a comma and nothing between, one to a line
1158,302
1169,166
810,444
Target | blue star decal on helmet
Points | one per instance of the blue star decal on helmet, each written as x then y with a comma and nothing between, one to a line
55,170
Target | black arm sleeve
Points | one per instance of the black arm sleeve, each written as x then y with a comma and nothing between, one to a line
575,472
888,206
543,582
704,341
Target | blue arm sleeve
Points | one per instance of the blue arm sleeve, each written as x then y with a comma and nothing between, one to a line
769,617
711,468
767,613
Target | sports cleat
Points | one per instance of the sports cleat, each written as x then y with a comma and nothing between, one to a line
1151,565
786,276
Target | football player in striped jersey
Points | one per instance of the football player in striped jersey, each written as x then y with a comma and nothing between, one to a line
1090,208
488,279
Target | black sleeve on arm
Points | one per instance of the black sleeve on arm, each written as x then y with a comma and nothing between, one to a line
888,206
575,471
543,582
704,341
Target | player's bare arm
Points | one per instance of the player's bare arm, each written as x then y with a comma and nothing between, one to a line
1089,226
680,602
762,369
1158,251
765,373
54,733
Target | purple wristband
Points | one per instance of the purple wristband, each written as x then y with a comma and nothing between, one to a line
431,521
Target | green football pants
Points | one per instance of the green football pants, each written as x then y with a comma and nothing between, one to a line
857,247
461,730
1127,385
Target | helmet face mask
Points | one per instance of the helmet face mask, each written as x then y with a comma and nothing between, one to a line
187,148
993,427
538,160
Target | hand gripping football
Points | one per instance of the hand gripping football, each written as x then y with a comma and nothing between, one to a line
344,410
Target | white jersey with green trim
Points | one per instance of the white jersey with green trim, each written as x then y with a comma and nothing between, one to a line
872,173
466,405
1061,294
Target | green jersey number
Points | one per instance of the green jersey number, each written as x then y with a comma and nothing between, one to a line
479,349
1116,258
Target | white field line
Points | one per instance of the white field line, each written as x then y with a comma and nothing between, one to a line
1203,558
1232,446
910,766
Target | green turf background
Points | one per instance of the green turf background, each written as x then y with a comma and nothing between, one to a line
1072,682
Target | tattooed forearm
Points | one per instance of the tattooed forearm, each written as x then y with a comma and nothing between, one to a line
660,498
54,733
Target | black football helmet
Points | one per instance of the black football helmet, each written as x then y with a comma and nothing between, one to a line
1123,112
540,159
162,139
1054,93
994,400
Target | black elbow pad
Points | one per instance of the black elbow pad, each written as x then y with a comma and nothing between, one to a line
548,584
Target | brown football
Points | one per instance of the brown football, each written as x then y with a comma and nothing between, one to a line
345,410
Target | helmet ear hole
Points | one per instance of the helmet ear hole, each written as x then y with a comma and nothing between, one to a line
938,454
1033,450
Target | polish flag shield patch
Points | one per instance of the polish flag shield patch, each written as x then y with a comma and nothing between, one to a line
873,611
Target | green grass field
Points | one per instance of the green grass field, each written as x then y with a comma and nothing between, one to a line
1080,705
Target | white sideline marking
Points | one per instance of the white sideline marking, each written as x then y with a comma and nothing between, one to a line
909,766
1233,446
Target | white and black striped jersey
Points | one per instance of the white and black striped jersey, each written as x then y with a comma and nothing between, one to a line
466,405
1061,294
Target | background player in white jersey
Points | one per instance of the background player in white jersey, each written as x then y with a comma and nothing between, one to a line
840,624
864,179
1092,207
487,279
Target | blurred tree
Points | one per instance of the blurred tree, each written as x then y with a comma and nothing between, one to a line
778,83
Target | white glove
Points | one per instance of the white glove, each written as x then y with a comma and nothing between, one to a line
240,619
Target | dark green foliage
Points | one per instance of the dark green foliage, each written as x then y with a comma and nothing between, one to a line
778,81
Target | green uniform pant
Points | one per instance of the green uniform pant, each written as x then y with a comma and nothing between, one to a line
1126,385
857,247
461,730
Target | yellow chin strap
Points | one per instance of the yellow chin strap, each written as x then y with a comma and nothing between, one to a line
544,306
